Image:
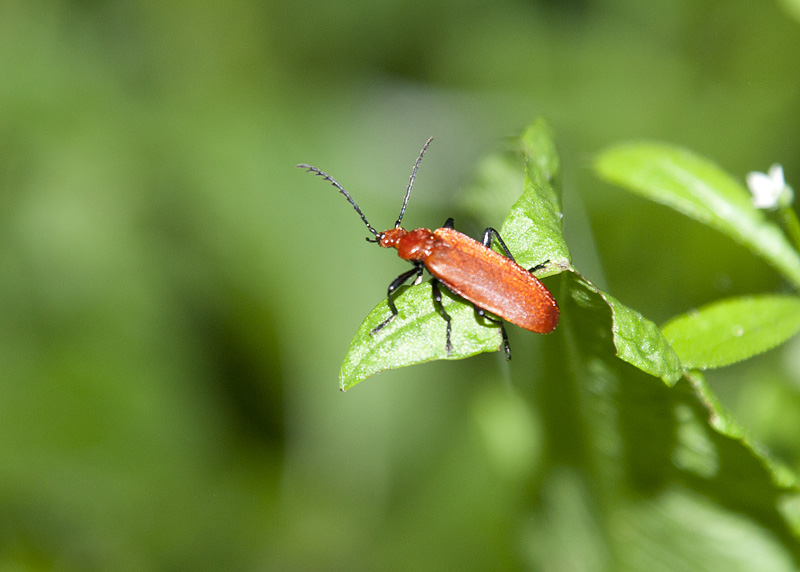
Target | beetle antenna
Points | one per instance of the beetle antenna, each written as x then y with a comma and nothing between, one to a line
411,182
332,181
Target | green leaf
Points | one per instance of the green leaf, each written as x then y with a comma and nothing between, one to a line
637,340
416,335
696,187
726,425
731,330
647,455
532,232
792,7
532,229
495,187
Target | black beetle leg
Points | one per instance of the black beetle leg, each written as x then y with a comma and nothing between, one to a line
437,301
506,347
491,233
539,266
396,283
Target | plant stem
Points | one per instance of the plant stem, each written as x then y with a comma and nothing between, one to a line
792,225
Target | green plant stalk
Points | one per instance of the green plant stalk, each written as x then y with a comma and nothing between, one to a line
791,224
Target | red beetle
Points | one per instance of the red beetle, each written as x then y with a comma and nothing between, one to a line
492,282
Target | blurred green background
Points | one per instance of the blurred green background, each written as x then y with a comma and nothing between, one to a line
177,298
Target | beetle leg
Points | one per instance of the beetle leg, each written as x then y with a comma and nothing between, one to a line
539,266
437,301
396,283
449,223
482,313
490,233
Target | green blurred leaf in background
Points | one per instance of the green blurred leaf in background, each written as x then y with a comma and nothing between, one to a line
176,298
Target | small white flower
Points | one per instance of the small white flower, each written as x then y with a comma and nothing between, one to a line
769,190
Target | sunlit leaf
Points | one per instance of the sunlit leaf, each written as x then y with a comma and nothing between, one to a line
731,330
532,229
698,188
416,335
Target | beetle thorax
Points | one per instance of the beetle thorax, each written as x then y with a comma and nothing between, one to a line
411,245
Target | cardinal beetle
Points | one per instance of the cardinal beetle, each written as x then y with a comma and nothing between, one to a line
492,282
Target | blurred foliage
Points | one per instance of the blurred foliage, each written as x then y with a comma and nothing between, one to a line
176,297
